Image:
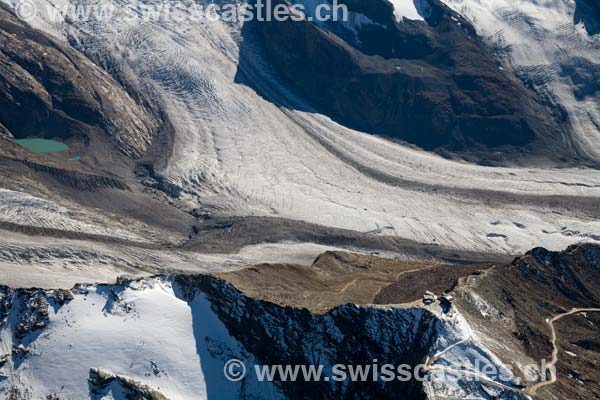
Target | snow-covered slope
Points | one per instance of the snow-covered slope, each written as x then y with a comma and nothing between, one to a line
174,335
239,154
144,332
457,349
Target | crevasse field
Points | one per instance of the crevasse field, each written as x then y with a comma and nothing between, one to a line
301,165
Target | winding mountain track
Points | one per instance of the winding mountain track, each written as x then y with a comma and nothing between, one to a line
528,391
531,391
467,281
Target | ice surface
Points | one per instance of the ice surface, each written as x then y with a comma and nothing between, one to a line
240,154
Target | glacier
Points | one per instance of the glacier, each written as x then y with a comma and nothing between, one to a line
301,165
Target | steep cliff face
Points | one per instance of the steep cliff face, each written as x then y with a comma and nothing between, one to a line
49,90
431,82
170,338
551,46
348,335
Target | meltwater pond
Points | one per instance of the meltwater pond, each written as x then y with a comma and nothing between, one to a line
43,145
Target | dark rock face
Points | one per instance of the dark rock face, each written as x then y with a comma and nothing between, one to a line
347,335
32,308
571,276
584,75
49,90
432,83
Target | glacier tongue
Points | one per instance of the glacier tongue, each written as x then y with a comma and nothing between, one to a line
239,154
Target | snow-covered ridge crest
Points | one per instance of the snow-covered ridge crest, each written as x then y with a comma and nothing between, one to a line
172,335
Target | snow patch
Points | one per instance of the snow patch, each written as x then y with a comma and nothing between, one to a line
407,9
485,309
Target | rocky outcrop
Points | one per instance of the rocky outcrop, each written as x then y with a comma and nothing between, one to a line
32,308
49,90
229,325
432,83
349,335
101,382
571,276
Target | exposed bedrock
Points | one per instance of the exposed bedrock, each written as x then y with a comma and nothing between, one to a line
432,83
501,310
348,334
49,90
